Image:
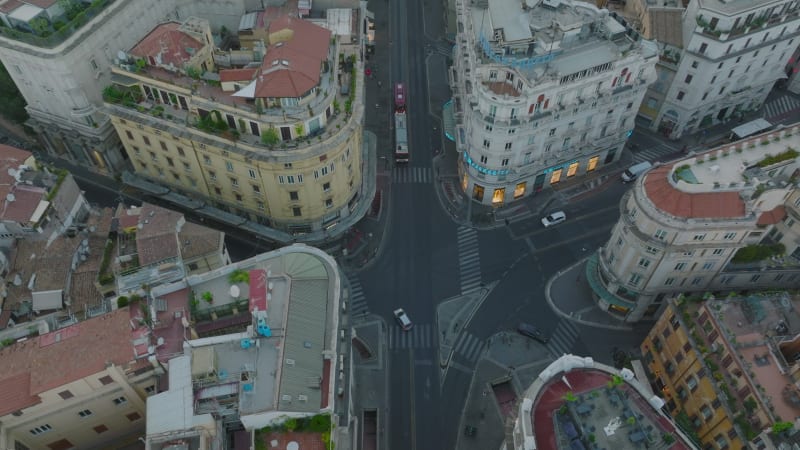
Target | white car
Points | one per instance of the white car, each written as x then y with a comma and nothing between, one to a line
554,219
402,319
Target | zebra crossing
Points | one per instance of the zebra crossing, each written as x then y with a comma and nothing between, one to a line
469,261
654,153
780,106
563,339
469,346
358,303
419,336
407,175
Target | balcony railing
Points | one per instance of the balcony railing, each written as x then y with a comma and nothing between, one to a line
52,38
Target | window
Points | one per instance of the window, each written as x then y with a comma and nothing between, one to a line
129,134
85,413
163,146
644,262
699,237
755,278
239,197
729,236
41,429
680,266
674,322
120,400
508,145
691,383
217,191
718,251
296,211
651,250
256,188
484,159
299,177
660,234
252,173
106,380
324,171
326,187
150,389
66,395
486,143
229,166
669,281
133,417
99,429
697,281
328,202
512,131
287,165
678,358
293,196
688,79
552,132
634,279
504,162
206,159
153,157
181,152
695,64
146,140
170,162
489,128
705,95
290,179
260,205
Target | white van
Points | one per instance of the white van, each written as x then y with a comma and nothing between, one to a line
633,172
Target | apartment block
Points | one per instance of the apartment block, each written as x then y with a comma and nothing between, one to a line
721,65
282,361
59,52
543,92
719,221
271,139
80,386
578,403
727,367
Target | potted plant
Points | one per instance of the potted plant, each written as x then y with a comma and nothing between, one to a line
208,297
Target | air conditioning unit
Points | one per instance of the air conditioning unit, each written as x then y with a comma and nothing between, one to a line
286,398
302,398
289,362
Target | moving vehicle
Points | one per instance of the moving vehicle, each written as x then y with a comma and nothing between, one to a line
633,172
532,332
553,219
400,125
402,319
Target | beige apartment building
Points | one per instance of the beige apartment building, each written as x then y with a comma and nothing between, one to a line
724,220
277,141
82,386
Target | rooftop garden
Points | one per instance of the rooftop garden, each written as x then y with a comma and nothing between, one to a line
769,160
758,252
319,424
44,32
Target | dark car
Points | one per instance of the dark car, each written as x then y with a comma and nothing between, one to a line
532,332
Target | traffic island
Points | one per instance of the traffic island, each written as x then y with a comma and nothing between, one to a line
453,315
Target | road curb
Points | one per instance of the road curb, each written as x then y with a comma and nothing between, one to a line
566,316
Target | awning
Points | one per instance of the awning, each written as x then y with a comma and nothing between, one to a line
449,120
248,91
46,300
123,80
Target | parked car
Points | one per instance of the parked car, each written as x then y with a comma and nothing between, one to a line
633,172
402,319
554,219
532,332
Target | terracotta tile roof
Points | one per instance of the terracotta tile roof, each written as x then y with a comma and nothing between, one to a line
26,200
10,158
197,240
706,205
156,240
29,368
51,264
83,292
236,74
292,67
15,393
169,43
772,216
9,5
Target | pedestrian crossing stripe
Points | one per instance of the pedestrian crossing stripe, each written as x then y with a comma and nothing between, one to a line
781,105
407,175
419,336
469,347
469,261
563,338
358,302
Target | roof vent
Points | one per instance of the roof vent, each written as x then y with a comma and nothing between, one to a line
289,362
286,398
10,197
302,398
285,62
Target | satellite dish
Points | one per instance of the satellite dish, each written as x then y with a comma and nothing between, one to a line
92,229
85,243
12,172
122,55
17,280
10,197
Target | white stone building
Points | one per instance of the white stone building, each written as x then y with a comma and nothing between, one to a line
722,221
543,91
725,63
